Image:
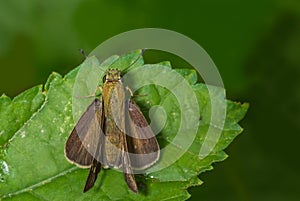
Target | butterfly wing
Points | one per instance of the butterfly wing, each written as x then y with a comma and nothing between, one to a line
92,177
84,141
128,173
142,145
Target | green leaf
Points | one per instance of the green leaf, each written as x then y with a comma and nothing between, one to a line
34,127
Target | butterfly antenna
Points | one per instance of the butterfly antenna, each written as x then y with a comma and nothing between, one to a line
83,52
142,53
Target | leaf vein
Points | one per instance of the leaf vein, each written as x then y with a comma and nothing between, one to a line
30,188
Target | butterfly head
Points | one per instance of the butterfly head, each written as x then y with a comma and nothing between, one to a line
113,74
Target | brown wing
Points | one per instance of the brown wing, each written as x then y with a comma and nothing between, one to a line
84,140
127,166
142,145
128,173
92,177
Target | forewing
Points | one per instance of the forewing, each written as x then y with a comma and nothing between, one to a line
127,168
128,173
92,177
142,145
84,140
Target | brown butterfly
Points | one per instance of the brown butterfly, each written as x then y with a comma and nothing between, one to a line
112,132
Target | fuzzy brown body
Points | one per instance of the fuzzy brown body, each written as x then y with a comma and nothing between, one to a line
113,94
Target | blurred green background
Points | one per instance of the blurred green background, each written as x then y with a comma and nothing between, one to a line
255,45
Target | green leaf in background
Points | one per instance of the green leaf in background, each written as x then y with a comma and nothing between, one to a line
35,125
